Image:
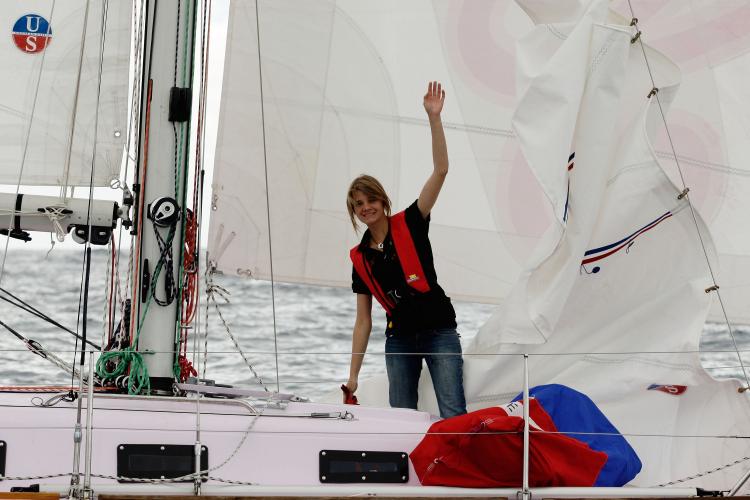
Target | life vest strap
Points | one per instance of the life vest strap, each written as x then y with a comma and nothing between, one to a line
407,257
363,269
407,254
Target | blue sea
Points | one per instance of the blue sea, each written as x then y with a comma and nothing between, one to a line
311,331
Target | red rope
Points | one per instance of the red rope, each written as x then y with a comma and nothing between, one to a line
189,293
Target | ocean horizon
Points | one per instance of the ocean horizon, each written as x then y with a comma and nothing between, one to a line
308,342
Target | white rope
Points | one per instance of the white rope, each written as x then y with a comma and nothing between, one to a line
706,473
204,472
55,214
212,290
30,478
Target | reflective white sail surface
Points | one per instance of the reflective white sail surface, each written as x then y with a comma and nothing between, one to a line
41,93
614,298
342,83
614,302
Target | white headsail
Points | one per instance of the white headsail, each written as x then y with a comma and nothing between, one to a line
614,303
46,109
616,288
342,83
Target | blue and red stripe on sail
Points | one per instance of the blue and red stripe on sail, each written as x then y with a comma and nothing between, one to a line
571,164
605,251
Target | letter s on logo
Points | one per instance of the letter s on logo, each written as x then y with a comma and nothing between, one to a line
31,44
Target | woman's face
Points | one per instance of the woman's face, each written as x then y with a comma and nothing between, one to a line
368,210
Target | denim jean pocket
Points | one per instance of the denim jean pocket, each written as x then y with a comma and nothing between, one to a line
447,332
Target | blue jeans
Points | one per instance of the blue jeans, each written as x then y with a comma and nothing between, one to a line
442,351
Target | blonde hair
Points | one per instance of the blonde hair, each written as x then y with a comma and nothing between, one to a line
370,187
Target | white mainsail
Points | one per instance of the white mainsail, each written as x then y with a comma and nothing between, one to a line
43,101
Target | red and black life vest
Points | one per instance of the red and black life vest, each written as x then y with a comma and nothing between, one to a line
407,256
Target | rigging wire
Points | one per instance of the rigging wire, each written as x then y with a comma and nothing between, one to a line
25,306
114,364
28,136
198,179
74,109
87,244
715,286
136,111
182,368
470,354
38,349
193,268
187,261
141,176
268,200
85,264
129,355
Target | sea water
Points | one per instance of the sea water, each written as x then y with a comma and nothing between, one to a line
296,335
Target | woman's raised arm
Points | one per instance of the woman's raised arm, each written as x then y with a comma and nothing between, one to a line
433,105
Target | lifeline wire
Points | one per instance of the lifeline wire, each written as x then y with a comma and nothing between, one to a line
715,286
268,201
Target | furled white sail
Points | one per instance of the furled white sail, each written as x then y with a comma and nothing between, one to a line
52,115
623,307
342,84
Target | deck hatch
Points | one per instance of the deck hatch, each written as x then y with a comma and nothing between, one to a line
157,461
350,466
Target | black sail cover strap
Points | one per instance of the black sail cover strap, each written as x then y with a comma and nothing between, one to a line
15,230
17,217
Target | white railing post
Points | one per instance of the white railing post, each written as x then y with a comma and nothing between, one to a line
525,492
75,477
197,447
89,428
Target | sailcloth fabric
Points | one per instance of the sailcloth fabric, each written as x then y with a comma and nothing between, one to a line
63,104
613,302
342,83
